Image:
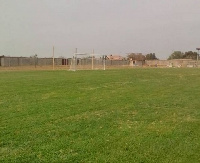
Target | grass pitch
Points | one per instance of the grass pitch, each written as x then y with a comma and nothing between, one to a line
134,115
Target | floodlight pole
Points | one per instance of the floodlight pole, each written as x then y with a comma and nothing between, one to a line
197,55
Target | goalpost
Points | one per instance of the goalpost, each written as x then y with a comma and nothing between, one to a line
86,61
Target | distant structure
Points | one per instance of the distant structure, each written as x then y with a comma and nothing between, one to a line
136,59
115,57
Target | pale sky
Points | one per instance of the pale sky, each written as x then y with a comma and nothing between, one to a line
29,27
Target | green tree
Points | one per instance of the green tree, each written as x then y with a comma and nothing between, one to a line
190,55
151,56
136,56
176,55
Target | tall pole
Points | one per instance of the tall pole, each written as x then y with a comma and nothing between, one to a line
53,58
198,57
35,57
104,62
93,59
75,59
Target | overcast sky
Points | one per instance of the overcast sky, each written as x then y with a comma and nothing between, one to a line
29,27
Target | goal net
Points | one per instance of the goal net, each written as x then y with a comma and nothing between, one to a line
84,61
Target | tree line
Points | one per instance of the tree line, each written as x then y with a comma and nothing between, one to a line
141,57
181,55
174,55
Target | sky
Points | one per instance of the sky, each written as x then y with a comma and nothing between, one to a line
29,27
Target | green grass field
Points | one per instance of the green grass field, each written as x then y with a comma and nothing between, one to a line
133,115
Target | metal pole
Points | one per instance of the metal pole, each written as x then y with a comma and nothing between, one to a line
75,59
93,59
197,57
35,57
75,62
104,62
53,58
9,61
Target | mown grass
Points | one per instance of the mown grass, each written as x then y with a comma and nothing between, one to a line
134,115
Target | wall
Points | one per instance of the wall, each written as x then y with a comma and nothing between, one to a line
155,63
6,61
171,63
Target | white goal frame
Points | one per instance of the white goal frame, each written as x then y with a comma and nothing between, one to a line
73,66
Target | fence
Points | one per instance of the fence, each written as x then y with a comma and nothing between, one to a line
6,61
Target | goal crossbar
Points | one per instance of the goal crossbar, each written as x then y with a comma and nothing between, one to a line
91,57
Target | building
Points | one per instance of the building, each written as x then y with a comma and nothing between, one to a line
115,57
